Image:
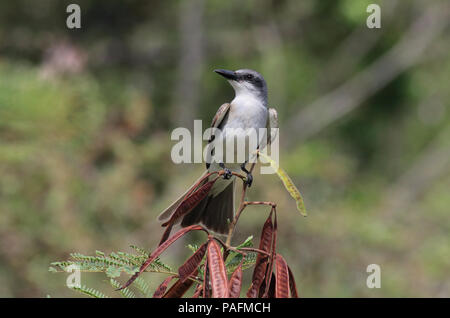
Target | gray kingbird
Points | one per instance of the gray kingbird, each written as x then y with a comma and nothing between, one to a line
248,110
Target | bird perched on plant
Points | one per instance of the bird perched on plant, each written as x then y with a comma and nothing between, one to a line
248,110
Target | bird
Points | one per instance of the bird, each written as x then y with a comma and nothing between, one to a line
248,110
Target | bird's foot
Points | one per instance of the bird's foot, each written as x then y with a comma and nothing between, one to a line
249,178
227,172
227,175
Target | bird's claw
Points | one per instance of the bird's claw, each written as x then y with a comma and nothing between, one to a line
227,173
249,180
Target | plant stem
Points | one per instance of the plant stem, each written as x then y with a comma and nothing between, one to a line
256,250
272,204
242,206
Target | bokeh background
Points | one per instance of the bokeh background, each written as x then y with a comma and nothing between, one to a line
86,116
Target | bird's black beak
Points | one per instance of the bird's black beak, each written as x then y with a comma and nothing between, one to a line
231,75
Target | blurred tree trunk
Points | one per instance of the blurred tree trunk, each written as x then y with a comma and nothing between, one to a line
190,65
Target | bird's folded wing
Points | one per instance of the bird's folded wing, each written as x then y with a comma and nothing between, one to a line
272,122
217,122
220,115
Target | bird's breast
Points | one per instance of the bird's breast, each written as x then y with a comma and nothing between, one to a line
246,113
240,135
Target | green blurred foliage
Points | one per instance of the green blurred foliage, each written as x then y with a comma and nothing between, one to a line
86,116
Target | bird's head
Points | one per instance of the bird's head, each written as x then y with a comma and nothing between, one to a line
246,82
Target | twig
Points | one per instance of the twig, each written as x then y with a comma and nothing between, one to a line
256,250
239,250
242,206
272,204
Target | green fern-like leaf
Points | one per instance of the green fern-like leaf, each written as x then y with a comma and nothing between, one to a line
127,293
193,247
249,260
116,263
140,250
234,259
113,271
142,286
99,253
91,292
113,264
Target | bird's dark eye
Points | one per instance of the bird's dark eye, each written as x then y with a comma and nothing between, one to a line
249,76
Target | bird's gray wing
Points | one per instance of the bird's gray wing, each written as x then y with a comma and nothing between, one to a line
272,122
220,115
217,122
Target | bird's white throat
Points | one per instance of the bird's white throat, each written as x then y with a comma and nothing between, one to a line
246,95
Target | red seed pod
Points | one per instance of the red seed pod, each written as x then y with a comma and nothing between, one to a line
271,293
192,263
217,271
191,201
179,288
261,260
161,248
206,287
166,234
159,292
272,257
235,284
198,291
282,278
292,285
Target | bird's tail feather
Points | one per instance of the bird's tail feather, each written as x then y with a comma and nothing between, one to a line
215,212
169,210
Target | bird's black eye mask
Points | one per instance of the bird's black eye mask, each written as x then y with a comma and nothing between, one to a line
251,79
246,78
